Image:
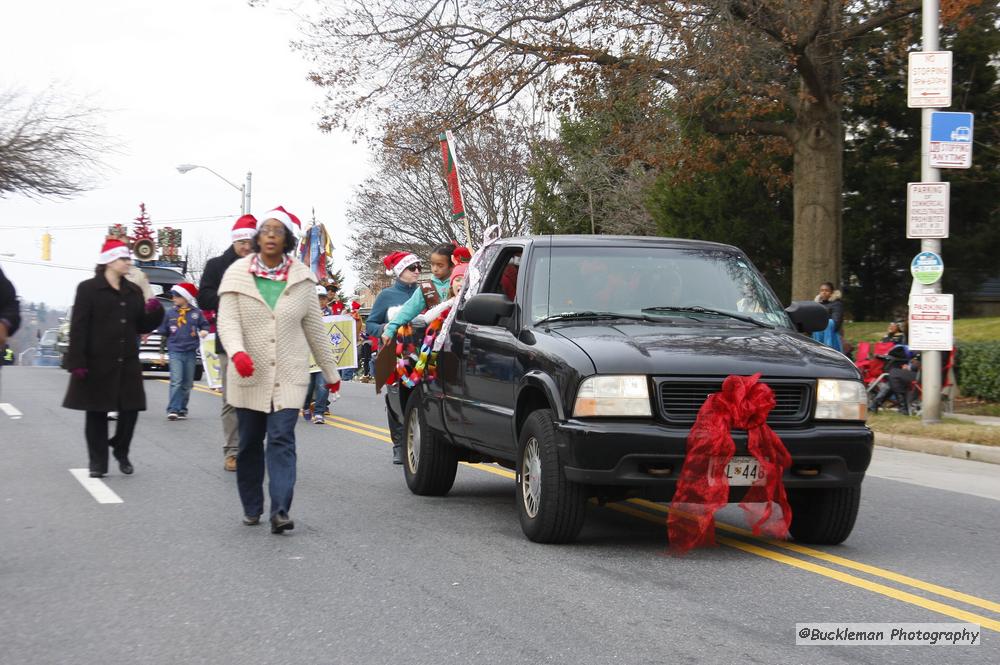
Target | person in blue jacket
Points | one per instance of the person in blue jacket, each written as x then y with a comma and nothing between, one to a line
406,268
183,327
440,282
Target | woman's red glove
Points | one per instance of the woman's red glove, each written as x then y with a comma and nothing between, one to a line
333,387
79,373
243,364
152,305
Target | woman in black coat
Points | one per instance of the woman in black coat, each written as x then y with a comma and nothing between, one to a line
109,314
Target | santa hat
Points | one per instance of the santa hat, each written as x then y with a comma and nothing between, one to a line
186,290
113,249
245,228
397,262
290,221
459,271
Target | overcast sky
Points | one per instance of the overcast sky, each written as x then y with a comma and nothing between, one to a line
209,82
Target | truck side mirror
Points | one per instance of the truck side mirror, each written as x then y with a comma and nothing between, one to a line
486,309
808,316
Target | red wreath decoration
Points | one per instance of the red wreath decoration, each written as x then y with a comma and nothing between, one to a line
744,403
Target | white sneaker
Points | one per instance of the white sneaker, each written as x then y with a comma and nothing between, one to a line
318,420
172,416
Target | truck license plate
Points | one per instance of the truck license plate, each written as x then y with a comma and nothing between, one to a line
741,471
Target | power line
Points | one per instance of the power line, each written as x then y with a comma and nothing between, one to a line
56,227
46,264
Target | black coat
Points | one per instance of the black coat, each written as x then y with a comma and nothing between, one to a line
104,339
9,308
208,290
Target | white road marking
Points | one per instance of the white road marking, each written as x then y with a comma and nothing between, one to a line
10,410
101,492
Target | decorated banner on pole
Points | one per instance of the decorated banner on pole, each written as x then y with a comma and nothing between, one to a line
315,249
449,156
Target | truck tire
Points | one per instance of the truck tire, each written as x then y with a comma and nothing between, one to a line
429,462
550,507
825,515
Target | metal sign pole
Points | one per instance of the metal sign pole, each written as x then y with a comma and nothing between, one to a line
930,360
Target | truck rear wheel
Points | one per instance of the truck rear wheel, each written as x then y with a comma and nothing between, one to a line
823,515
429,463
550,507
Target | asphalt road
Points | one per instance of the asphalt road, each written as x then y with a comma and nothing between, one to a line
373,574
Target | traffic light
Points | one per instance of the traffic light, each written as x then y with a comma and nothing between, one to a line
46,247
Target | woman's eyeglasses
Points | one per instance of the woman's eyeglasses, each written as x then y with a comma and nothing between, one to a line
276,231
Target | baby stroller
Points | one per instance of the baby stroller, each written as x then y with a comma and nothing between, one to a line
891,376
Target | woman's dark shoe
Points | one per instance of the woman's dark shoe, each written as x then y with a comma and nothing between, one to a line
125,466
281,523
251,520
96,474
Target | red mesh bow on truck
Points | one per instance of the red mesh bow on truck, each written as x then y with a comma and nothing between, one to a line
743,403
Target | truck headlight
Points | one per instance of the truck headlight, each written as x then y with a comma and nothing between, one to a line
613,396
841,400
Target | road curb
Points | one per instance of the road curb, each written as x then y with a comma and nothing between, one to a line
970,451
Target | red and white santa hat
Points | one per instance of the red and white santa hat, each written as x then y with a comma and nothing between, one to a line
245,228
187,291
397,262
113,249
290,221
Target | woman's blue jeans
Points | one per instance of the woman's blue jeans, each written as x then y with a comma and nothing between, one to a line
279,458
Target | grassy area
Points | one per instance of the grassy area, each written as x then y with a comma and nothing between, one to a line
949,429
966,330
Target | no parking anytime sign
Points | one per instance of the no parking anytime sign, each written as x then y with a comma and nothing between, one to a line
931,321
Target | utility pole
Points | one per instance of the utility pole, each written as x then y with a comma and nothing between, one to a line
246,196
930,361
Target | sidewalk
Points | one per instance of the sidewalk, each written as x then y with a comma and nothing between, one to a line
978,420
971,451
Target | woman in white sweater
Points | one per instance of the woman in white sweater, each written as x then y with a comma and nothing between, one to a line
269,320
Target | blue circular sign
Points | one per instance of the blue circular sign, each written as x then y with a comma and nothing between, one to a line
927,267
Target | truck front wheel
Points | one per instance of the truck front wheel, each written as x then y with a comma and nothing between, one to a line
429,463
823,515
550,507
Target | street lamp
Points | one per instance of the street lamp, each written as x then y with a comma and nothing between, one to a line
244,190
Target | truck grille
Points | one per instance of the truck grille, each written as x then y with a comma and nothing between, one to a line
681,399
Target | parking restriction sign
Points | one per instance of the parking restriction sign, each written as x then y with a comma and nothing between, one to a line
927,209
928,79
931,321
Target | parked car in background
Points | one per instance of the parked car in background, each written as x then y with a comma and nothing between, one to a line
48,354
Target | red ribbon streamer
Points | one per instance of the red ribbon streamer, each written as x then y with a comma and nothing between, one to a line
702,489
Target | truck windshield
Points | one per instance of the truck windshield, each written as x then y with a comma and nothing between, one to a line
655,282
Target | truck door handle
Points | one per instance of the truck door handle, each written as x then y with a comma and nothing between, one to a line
466,346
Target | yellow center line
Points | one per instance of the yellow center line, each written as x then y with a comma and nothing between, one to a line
750,548
846,563
846,578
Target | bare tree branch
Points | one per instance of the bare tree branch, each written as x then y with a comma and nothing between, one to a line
49,147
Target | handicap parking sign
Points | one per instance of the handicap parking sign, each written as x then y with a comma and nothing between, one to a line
951,140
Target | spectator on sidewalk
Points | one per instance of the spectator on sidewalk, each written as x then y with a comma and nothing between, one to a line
182,330
208,291
109,315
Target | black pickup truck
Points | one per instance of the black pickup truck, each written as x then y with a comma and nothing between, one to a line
582,361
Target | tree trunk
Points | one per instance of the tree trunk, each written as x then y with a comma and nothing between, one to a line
818,173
